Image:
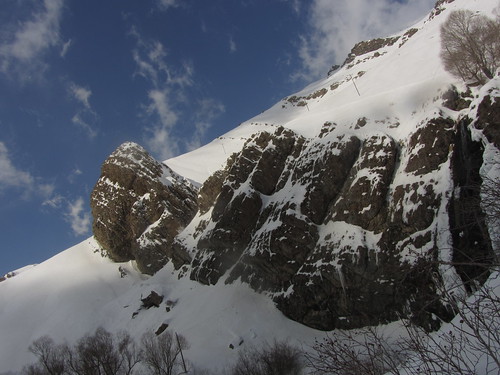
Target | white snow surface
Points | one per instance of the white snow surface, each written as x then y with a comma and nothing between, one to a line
399,87
78,290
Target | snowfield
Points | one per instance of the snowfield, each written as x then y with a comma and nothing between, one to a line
78,290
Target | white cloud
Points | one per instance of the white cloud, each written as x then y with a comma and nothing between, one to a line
22,50
12,177
150,57
78,217
65,48
85,117
74,174
208,111
232,44
165,4
30,186
295,4
150,60
161,106
159,139
161,143
84,125
336,25
167,93
81,94
54,201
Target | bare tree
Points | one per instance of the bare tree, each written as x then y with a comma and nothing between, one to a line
490,202
470,344
103,354
363,351
97,354
280,358
470,46
51,357
162,354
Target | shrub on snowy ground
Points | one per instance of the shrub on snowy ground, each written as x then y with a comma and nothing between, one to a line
363,351
51,357
469,344
162,354
280,358
100,353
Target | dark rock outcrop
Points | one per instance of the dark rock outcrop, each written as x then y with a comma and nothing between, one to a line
161,329
324,228
139,205
488,119
152,300
364,47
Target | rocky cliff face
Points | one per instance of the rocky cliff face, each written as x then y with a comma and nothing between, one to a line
327,228
341,231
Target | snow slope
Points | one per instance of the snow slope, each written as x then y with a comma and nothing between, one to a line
399,86
78,290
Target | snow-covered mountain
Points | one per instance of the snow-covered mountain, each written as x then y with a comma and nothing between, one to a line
339,207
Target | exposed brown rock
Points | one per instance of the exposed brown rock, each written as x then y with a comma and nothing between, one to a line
161,329
152,300
363,200
367,46
488,119
429,146
139,205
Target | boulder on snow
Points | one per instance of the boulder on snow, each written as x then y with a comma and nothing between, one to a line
161,329
152,300
139,205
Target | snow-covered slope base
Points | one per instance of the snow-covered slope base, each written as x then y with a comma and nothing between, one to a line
78,290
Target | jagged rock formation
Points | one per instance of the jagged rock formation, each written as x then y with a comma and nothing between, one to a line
139,205
340,230
289,227
364,47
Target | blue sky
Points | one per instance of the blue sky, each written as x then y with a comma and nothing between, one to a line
78,78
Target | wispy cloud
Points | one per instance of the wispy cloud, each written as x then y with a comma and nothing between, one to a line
158,137
28,187
12,177
336,25
166,4
74,175
232,44
65,48
82,94
208,111
295,4
84,125
23,45
85,116
168,90
54,201
78,217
